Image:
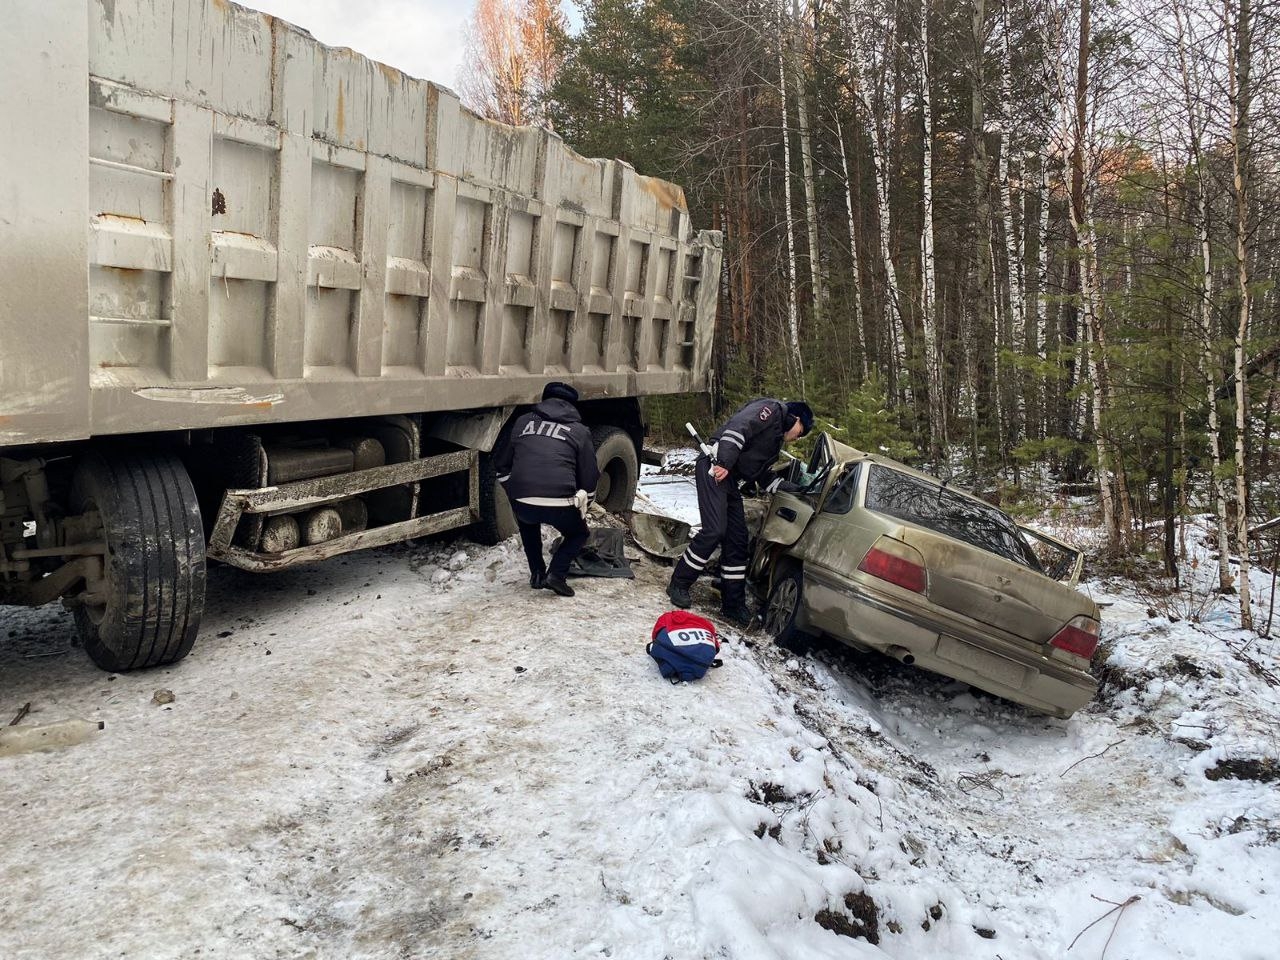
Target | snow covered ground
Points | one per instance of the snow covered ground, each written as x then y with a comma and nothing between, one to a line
408,753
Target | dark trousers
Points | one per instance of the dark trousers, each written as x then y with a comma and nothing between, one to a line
723,525
567,520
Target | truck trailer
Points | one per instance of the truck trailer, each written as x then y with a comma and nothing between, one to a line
264,301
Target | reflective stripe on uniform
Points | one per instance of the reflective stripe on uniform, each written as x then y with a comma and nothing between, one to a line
692,559
548,501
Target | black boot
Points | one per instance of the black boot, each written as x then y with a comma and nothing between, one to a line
739,615
557,585
537,580
679,595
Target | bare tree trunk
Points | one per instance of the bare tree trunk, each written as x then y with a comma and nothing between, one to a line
806,161
1012,247
1038,384
1239,63
1003,343
1042,266
1217,481
893,302
1264,457
1075,124
928,326
987,396
1184,478
858,330
793,319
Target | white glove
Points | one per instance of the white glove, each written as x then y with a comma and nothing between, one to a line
582,500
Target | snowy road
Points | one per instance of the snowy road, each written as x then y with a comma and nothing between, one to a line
410,754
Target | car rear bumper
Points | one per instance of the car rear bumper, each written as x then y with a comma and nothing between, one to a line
860,615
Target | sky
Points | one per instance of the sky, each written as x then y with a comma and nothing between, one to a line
424,38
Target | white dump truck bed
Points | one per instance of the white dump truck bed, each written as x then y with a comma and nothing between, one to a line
208,218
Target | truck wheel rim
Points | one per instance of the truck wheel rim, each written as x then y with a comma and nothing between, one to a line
782,606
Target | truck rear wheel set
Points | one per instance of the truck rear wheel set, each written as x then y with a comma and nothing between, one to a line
147,611
123,540
619,468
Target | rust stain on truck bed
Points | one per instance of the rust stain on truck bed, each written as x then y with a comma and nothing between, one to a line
667,194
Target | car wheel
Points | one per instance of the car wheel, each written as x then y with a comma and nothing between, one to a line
782,613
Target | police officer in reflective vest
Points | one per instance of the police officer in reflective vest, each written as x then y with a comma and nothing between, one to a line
548,469
744,449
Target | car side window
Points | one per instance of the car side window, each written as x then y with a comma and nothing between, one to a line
842,495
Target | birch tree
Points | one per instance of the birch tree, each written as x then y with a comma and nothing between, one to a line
892,300
984,343
1075,126
928,293
512,58
859,328
1239,68
1008,201
793,320
798,33
1192,94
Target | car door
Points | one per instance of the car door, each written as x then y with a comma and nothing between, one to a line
824,549
825,536
788,514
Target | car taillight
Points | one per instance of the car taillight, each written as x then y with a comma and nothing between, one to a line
1079,636
897,570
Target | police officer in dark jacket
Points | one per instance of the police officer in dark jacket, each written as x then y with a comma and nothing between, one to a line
744,450
548,469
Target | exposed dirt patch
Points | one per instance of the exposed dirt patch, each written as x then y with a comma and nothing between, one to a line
1262,769
935,914
860,918
1187,667
770,793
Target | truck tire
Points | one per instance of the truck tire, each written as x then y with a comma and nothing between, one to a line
150,607
619,468
782,612
496,522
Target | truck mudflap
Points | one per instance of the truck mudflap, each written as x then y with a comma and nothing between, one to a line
291,497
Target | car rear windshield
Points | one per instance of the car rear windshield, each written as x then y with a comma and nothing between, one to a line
944,511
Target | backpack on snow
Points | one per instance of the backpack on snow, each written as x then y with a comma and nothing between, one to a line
684,645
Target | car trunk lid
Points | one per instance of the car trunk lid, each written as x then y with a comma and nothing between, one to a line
1000,593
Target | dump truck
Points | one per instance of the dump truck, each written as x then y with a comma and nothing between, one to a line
264,301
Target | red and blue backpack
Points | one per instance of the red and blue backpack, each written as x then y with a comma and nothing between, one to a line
684,645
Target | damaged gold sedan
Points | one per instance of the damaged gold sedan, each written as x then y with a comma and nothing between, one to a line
885,558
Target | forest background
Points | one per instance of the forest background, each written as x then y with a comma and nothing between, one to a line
1028,244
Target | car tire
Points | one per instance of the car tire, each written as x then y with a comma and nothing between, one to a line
782,611
619,468
148,611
